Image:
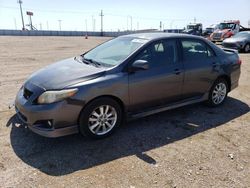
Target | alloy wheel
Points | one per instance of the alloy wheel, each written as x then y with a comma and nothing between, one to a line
247,48
102,120
219,93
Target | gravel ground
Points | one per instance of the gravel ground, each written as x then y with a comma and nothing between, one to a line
193,146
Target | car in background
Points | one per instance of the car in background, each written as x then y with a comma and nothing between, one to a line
240,42
226,30
209,30
126,78
193,29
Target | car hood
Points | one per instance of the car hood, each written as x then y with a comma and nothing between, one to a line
222,31
65,73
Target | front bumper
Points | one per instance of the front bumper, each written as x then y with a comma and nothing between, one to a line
49,132
62,116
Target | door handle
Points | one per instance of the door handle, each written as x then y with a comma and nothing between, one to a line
177,71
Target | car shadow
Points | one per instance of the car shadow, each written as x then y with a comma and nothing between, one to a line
66,155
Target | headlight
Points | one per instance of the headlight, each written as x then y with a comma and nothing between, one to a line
55,96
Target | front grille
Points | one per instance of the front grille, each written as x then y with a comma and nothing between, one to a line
217,35
27,93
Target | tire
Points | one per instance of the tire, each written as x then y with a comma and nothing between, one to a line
100,118
218,93
247,48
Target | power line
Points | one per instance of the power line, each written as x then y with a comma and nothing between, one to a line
107,14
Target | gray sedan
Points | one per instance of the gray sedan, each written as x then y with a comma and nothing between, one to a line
125,78
240,42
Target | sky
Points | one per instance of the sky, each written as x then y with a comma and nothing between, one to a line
79,15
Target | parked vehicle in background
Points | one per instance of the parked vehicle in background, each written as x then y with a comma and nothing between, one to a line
240,42
193,29
226,30
209,30
128,77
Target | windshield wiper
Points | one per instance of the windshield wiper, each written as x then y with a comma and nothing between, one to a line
97,64
94,62
80,60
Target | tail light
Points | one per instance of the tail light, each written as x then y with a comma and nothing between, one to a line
239,61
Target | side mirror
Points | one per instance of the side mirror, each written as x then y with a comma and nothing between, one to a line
139,65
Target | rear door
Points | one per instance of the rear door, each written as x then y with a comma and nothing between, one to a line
200,67
162,82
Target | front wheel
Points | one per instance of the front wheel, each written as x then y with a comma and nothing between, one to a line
218,93
100,118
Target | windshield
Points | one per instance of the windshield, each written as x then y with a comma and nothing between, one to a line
209,29
226,26
114,51
192,27
242,35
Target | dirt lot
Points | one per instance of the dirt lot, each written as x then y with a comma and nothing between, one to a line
193,146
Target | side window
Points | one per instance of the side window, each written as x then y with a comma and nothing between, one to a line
160,53
210,52
144,55
158,47
170,51
194,50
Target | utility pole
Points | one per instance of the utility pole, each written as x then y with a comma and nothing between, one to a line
15,23
160,25
101,22
20,3
60,24
93,23
47,25
131,24
86,25
127,23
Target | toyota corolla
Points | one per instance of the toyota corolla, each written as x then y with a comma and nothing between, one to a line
125,78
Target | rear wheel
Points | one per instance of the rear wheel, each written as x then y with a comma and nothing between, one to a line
218,92
100,118
247,48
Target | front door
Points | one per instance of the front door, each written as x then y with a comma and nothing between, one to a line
162,82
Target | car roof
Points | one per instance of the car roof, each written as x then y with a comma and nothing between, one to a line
158,35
